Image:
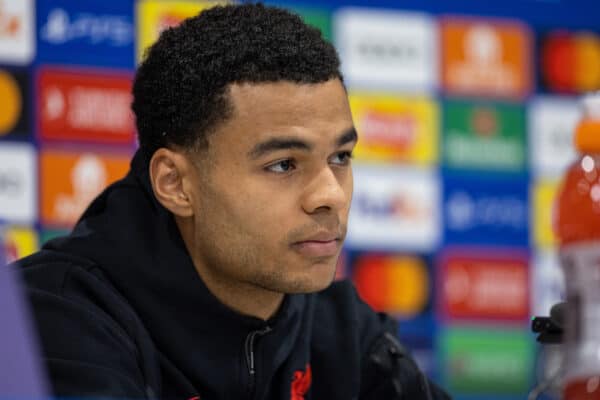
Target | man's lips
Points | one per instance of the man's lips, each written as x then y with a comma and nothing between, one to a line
320,245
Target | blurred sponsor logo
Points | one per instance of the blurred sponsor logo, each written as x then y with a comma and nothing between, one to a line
544,198
396,284
17,182
570,61
70,181
488,210
484,136
547,283
552,122
484,284
93,32
154,16
394,128
14,103
85,107
486,58
479,362
111,29
387,48
16,31
394,208
9,252
18,242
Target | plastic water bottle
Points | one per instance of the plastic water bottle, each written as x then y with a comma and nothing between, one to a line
578,231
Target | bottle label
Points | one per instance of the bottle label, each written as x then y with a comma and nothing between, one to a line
581,265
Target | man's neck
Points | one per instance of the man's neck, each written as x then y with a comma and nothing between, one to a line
243,298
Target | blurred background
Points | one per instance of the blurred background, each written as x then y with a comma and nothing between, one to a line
465,111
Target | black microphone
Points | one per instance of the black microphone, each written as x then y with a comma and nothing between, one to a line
550,328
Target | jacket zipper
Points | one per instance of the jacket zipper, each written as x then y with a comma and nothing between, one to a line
249,350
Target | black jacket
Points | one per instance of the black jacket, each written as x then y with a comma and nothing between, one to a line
122,312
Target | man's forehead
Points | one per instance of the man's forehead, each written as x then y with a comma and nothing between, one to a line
259,112
248,98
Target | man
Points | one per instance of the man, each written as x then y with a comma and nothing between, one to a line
206,272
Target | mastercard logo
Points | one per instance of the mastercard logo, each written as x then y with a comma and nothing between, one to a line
571,62
397,285
11,102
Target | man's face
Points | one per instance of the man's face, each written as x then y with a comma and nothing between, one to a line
273,191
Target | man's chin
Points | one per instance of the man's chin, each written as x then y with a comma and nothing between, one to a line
299,276
310,284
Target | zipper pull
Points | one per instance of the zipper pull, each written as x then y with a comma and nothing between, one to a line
250,347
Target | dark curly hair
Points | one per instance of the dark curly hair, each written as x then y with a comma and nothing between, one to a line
179,91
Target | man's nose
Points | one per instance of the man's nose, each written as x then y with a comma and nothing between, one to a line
325,192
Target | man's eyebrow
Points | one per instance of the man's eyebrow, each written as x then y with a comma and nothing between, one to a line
286,143
347,137
278,144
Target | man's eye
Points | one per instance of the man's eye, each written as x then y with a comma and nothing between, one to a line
281,166
342,158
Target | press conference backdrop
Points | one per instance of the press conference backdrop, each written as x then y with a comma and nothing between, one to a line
464,110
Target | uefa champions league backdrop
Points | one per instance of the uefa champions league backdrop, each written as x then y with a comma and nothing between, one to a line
464,109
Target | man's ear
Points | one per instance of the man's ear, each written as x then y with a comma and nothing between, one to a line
169,173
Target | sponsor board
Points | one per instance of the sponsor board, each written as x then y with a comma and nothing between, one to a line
17,32
552,122
394,208
547,283
486,361
387,49
69,181
484,284
395,128
92,32
18,183
154,16
545,193
486,57
15,104
486,210
422,351
397,284
77,105
569,62
49,234
484,136
320,19
18,242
